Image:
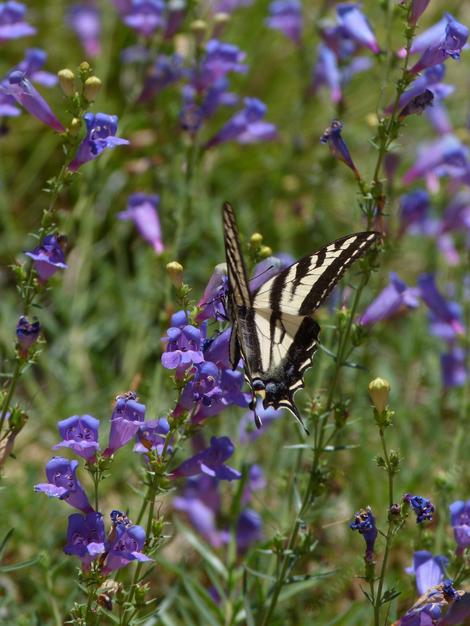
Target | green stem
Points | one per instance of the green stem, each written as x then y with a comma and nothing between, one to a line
185,208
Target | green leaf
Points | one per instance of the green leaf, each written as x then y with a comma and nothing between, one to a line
6,539
16,566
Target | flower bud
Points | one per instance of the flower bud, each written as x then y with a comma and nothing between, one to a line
91,88
220,22
67,81
85,67
256,239
74,126
199,27
265,252
379,391
175,273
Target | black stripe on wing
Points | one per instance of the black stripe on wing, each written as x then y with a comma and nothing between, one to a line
236,271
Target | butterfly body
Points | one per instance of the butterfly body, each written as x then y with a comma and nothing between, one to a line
272,327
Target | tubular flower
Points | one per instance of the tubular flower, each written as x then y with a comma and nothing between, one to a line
449,45
152,435
428,569
422,507
63,484
126,420
27,334
460,520
453,368
442,310
337,145
183,344
364,523
142,209
248,530
85,21
80,434
355,23
124,546
12,21
395,298
85,537
145,16
210,461
286,16
101,131
446,156
48,257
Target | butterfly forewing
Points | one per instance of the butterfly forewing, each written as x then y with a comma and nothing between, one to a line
236,271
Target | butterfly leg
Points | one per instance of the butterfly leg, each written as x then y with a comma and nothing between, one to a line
252,407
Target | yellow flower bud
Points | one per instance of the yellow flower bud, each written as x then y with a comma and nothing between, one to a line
85,67
91,88
379,391
221,18
265,252
199,27
256,239
74,126
67,81
175,273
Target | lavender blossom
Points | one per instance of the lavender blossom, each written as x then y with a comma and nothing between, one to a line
80,434
217,350
428,80
450,45
220,59
63,484
356,25
101,130
442,309
422,507
31,66
414,213
428,569
48,257
457,214
453,367
441,604
210,461
145,16
418,105
460,520
364,522
152,435
124,546
126,420
142,209
286,16
393,299
418,7
20,88
446,156
338,148
326,72
85,537
12,21
213,298
165,71
27,334
246,126
183,345
248,530
85,20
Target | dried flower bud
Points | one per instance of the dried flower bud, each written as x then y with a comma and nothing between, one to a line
91,88
175,273
379,391
67,81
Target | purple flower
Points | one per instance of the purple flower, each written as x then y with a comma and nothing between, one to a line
438,117
210,461
457,214
364,522
326,72
125,546
256,481
101,131
48,257
450,45
80,434
268,268
418,105
126,420
356,25
85,537
286,16
442,310
460,520
152,436
20,88
220,58
418,7
414,212
165,71
428,569
12,22
247,431
453,368
32,65
248,531
446,156
441,605
145,16
27,333
217,350
428,80
394,298
246,126
142,209
213,298
183,344
85,20
63,484
422,507
201,503
338,148
176,11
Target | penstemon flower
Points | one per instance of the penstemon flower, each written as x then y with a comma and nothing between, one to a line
101,135
85,537
142,209
63,484
145,16
286,16
460,520
27,334
210,461
357,26
80,434
127,417
364,523
422,507
85,20
48,257
12,21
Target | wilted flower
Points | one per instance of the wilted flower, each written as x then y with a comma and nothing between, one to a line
85,20
248,530
286,16
210,461
422,507
394,298
80,434
142,209
27,333
18,86
183,344
246,126
101,131
152,435
124,546
450,45
364,522
442,309
338,148
145,16
85,537
63,484
460,520
12,21
453,367
126,420
428,569
48,257
356,25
